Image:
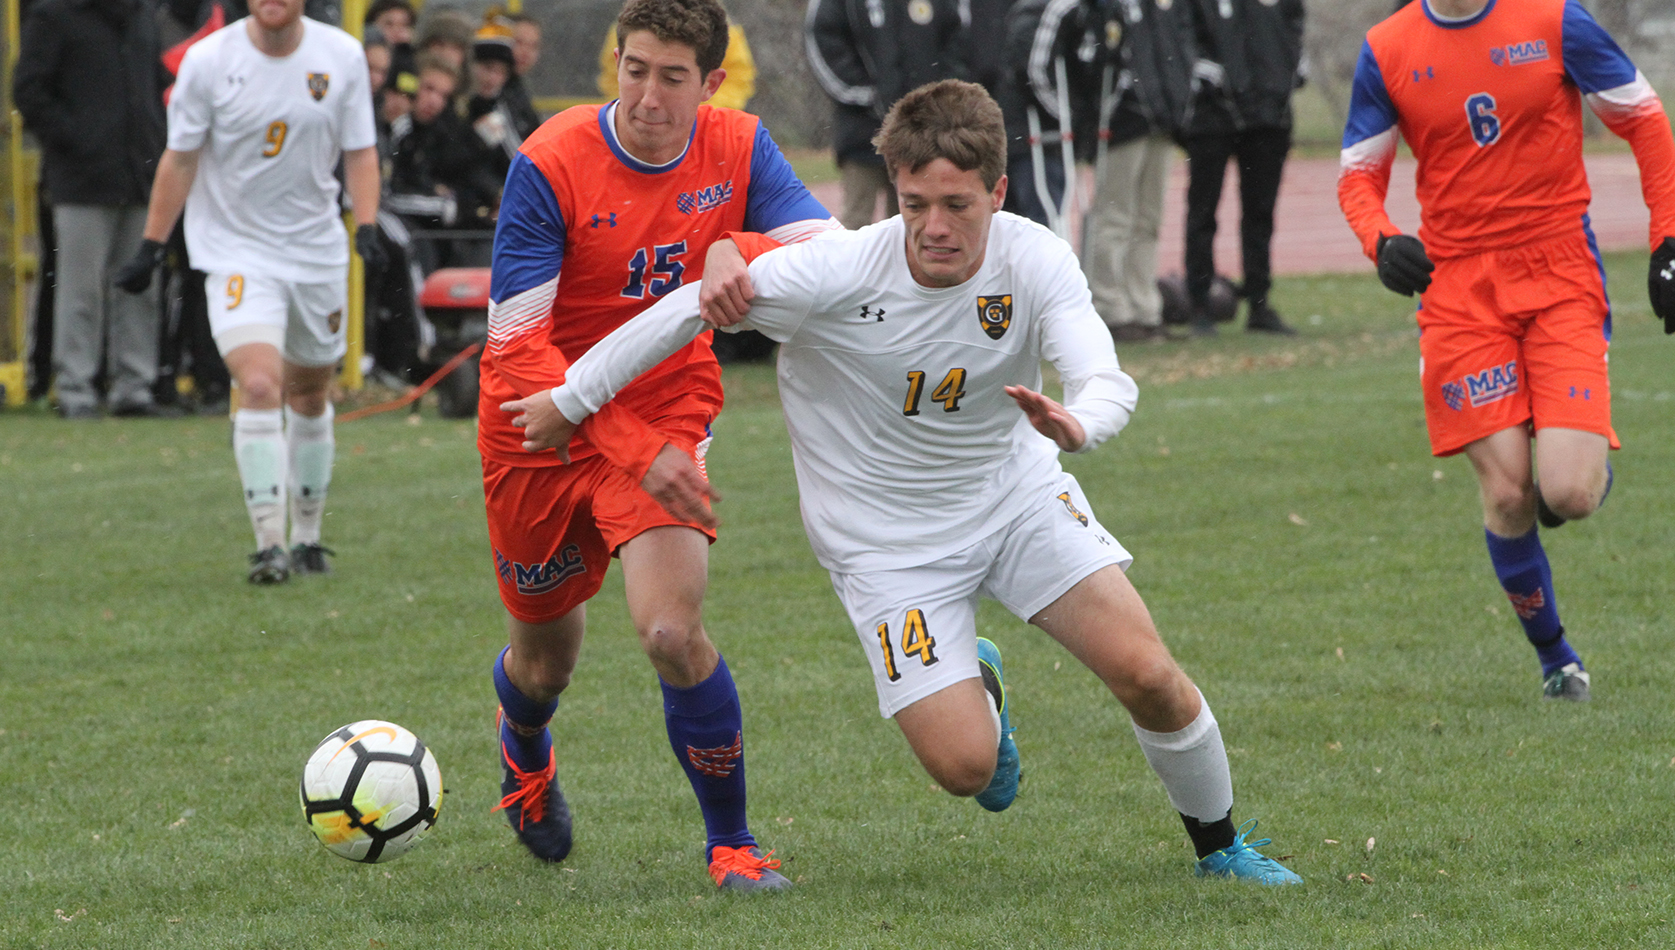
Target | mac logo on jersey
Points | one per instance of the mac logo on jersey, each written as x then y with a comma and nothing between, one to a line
994,315
1530,51
532,579
697,202
317,84
1497,56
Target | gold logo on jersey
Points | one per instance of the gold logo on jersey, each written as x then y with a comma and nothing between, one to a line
1070,506
994,315
317,85
334,320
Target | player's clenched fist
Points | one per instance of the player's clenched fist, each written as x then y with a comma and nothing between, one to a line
135,275
1661,283
1402,264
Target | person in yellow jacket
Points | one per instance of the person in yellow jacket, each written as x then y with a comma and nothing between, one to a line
735,90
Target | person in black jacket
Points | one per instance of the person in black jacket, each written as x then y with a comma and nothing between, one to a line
1250,54
1056,53
867,54
1145,91
89,81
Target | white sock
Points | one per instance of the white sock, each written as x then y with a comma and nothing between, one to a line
259,448
312,448
1192,763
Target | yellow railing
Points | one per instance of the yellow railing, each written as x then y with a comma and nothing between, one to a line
20,226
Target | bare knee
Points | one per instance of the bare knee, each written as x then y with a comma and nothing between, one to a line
965,776
1570,502
1508,504
674,644
259,390
540,677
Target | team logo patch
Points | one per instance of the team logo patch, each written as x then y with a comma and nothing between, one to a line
704,199
720,761
533,579
1498,56
334,320
1530,51
1527,605
1482,387
1070,506
920,12
317,85
994,314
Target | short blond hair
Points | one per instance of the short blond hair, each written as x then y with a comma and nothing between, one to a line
949,119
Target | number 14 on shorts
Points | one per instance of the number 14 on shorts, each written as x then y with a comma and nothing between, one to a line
916,640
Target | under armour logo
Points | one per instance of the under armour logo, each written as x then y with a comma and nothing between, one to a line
597,220
876,316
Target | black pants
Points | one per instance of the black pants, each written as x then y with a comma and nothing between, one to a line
1261,155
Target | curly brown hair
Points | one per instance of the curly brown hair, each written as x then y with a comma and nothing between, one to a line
949,119
700,24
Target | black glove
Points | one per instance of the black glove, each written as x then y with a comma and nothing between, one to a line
135,275
1660,283
1402,264
371,249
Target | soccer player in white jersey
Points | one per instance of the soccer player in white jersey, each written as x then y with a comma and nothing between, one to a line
927,459
260,113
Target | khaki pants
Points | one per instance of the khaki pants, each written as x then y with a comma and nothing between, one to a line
861,185
1120,257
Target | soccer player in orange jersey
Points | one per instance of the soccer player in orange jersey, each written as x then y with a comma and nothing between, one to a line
607,208
1513,316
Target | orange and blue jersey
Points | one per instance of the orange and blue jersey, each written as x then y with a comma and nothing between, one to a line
1491,106
588,236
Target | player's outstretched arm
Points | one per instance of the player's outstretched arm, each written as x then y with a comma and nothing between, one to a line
175,172
1049,418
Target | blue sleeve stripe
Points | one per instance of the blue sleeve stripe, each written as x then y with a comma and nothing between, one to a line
777,197
1592,59
1370,110
529,237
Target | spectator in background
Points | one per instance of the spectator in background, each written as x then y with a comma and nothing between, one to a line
739,66
378,58
866,55
987,42
437,178
1145,90
1249,59
89,83
394,19
526,52
498,133
1056,52
448,35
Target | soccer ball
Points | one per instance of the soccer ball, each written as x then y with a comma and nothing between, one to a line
370,791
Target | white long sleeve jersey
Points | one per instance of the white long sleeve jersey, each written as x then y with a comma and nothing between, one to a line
906,446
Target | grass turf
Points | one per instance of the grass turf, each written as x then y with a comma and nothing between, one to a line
1321,577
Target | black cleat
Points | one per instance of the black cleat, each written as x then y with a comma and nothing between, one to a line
270,566
1263,319
310,558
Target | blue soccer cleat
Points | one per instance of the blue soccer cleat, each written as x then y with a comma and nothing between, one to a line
1004,786
1241,861
535,806
746,870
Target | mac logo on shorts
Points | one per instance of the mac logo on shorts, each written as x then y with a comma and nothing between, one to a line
531,579
334,320
317,84
994,315
1482,387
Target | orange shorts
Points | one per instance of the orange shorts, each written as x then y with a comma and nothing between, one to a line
1516,337
554,529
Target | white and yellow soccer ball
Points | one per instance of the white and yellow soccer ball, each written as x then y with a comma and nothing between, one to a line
370,791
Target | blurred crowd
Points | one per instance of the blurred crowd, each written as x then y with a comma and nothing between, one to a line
1098,96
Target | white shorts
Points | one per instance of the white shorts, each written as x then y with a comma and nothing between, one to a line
918,625
303,321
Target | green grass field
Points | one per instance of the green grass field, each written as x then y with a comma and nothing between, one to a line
1316,571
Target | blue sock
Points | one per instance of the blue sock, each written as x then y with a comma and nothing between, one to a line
1521,564
523,727
706,730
